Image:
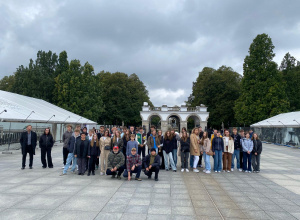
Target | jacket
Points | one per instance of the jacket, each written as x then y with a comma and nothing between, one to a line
206,145
71,143
194,145
212,137
24,139
146,161
141,139
46,141
175,139
115,160
218,144
247,145
230,145
133,160
118,143
94,151
168,145
237,141
150,142
77,150
185,145
130,145
66,137
257,146
103,143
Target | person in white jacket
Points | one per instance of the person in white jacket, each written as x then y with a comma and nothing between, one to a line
228,151
247,145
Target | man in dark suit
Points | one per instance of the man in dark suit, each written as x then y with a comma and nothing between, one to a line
28,144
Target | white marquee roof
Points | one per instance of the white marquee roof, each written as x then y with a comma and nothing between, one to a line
291,119
19,107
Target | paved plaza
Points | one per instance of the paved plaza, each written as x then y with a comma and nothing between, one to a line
44,194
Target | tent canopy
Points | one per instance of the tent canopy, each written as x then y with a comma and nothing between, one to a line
291,119
18,108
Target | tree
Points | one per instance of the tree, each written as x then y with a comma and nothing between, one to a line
7,83
263,91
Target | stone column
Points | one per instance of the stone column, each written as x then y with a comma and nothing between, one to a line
203,124
164,126
146,124
183,124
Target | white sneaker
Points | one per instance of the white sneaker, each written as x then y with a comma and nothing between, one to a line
101,174
195,170
231,169
240,170
63,167
224,171
249,172
182,170
204,171
216,171
246,171
228,171
219,171
207,171
187,170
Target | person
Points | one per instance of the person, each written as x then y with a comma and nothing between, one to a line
93,154
153,141
185,151
46,143
251,133
160,150
215,131
84,130
131,130
150,132
200,157
242,135
167,151
117,140
194,148
126,138
257,149
141,139
123,131
89,137
237,149
105,148
151,164
228,151
115,163
66,137
218,149
101,132
113,132
176,139
131,144
71,148
247,145
28,142
80,152
205,148
133,165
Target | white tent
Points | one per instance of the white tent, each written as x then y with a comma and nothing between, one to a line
19,108
291,119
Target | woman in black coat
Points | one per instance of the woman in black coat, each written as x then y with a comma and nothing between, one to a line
257,149
46,144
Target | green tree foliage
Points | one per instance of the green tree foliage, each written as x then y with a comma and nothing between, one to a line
218,90
290,69
7,83
263,90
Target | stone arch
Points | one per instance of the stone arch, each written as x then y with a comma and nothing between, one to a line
154,114
175,115
193,114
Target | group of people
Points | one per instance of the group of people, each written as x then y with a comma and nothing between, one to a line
131,151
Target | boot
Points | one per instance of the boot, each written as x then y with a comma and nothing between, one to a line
93,173
89,173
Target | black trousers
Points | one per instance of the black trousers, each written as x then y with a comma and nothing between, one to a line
92,163
141,151
162,165
47,151
65,154
241,159
28,149
97,161
153,169
200,160
119,171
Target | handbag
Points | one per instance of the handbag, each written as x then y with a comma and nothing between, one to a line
210,153
107,148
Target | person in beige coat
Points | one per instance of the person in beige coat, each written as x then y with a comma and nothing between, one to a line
195,148
228,151
105,148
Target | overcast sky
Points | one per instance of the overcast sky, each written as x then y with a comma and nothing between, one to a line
166,43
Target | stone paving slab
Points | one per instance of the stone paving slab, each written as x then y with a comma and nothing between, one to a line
44,194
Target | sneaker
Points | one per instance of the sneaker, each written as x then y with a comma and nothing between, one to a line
216,171
63,174
204,170
138,179
207,171
231,169
113,176
257,171
219,171
174,170
240,170
246,171
182,170
118,177
187,170
195,170
228,171
101,173
249,172
63,167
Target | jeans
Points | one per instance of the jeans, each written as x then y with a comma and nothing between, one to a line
136,170
167,157
47,151
69,160
191,161
236,154
153,169
247,161
256,162
119,170
81,165
174,154
185,159
207,161
196,159
218,160
28,149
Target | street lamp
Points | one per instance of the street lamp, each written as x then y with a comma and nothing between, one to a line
28,116
3,111
50,118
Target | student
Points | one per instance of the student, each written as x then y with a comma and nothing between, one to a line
84,130
167,151
176,139
131,144
126,138
134,165
93,154
195,148
80,152
185,151
115,163
150,132
101,132
28,144
251,133
141,139
218,149
247,145
123,132
151,164
66,137
242,135
237,149
105,148
89,137
117,140
160,150
257,149
46,143
71,148
228,151
200,157
131,130
205,148
153,141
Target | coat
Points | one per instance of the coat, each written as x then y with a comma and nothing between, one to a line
218,144
115,160
46,141
24,139
194,145
85,149
93,151
118,143
168,145
66,137
185,145
146,161
71,143
247,145
237,141
150,142
206,147
230,145
103,143
257,147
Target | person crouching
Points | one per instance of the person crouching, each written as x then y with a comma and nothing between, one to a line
115,163
152,163
134,165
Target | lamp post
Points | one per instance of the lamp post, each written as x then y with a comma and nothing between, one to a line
3,111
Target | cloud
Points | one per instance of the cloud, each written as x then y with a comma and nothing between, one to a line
167,96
